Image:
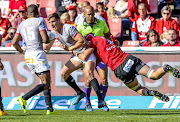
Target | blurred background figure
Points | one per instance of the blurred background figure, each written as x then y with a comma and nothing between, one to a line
121,8
6,41
111,12
65,19
22,16
79,8
101,12
142,24
164,37
4,24
166,22
105,2
72,13
152,39
161,4
172,38
14,6
63,5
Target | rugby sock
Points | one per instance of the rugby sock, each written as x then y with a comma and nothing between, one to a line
87,91
71,82
47,97
104,88
96,88
146,92
39,88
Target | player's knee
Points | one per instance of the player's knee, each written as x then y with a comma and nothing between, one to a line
47,86
64,75
152,75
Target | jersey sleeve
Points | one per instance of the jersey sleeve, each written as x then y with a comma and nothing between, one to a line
18,30
42,26
72,31
153,23
134,27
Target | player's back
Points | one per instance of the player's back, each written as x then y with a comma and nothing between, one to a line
30,32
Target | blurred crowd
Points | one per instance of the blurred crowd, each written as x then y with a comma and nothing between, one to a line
138,22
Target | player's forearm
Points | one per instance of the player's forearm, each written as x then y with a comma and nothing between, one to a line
18,48
77,45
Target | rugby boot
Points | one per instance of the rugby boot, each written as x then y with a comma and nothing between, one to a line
101,103
3,113
78,98
105,108
52,113
160,96
172,70
22,103
89,107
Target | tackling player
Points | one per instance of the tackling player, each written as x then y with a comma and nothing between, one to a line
126,66
33,32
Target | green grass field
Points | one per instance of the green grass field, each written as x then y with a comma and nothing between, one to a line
95,116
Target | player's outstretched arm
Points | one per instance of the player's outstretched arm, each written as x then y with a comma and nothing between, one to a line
15,43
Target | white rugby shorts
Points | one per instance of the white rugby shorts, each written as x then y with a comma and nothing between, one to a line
37,61
92,58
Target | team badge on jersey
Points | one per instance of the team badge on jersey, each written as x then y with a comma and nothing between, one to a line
128,65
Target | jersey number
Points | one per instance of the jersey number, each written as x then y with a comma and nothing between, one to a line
29,34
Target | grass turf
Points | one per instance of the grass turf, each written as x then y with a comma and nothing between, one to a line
95,116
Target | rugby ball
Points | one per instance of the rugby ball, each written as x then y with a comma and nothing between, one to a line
51,36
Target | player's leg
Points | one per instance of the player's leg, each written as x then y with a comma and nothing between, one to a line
145,91
91,80
72,65
155,75
2,112
103,72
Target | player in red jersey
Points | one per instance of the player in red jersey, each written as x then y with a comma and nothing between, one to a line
126,66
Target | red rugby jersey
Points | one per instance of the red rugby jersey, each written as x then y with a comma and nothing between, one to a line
108,52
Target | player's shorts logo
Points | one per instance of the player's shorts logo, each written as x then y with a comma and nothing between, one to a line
128,65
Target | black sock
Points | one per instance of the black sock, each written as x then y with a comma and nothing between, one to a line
146,92
71,82
1,105
39,88
96,87
47,96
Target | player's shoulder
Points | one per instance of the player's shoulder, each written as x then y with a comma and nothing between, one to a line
151,18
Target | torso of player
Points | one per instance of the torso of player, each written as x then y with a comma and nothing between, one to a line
110,54
67,36
143,26
30,32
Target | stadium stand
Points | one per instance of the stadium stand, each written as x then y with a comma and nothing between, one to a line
153,6
111,3
28,2
115,26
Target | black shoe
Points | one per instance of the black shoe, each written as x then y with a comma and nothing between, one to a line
78,98
172,70
160,95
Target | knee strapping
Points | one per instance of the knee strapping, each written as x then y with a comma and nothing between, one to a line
149,73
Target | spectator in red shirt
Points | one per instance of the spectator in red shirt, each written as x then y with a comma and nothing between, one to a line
14,7
142,24
133,8
172,38
4,24
152,39
166,22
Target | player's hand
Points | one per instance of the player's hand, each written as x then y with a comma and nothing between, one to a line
63,47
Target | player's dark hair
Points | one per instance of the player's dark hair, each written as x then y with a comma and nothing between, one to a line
32,10
55,15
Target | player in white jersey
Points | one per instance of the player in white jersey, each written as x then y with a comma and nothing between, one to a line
33,32
71,40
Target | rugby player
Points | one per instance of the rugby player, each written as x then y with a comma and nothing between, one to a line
33,32
126,66
68,35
